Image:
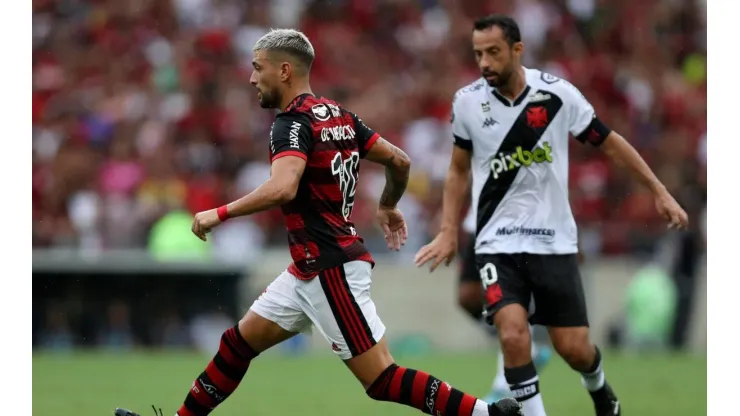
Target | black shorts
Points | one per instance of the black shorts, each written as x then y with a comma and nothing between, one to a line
552,282
468,271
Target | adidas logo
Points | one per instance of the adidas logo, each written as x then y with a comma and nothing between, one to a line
335,348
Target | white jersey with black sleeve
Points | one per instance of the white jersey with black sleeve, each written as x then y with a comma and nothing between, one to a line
519,162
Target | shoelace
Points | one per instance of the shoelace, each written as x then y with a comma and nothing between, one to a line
155,411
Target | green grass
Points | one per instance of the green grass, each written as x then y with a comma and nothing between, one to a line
92,384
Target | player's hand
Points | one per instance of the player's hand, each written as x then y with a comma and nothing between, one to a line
442,249
393,225
203,222
669,209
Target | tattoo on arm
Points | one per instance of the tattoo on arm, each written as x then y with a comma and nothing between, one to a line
397,168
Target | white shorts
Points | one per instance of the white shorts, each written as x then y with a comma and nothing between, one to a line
337,302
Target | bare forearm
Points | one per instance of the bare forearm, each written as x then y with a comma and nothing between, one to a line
456,189
624,155
269,195
397,167
396,180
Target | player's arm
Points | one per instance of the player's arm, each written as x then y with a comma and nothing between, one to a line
457,183
457,186
285,175
618,149
397,167
290,144
586,127
396,162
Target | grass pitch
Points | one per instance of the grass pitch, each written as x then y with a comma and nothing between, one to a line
93,384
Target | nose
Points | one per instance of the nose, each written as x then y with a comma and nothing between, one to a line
253,78
484,64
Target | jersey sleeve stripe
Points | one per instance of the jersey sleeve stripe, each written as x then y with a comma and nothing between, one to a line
290,153
371,141
462,143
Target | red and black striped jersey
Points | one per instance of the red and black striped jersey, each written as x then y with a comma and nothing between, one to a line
332,140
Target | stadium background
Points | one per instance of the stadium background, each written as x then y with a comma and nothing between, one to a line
143,114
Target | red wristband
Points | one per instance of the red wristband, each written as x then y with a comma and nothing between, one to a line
223,213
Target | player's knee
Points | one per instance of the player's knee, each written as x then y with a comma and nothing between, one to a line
261,333
378,390
515,339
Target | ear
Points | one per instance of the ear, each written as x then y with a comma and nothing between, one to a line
286,71
518,48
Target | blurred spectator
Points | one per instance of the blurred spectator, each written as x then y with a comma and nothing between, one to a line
206,330
57,335
117,333
172,330
143,107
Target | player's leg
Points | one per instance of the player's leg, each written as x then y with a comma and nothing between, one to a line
541,354
470,289
470,298
508,297
274,317
338,301
384,380
561,306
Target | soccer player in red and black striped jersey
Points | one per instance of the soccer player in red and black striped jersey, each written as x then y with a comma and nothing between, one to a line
315,148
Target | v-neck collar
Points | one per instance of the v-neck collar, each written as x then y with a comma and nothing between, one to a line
505,101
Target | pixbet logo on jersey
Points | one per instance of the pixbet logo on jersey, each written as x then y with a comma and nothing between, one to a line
504,163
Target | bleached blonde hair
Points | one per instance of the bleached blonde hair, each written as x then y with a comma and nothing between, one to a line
289,41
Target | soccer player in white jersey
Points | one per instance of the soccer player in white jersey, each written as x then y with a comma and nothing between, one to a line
511,129
470,299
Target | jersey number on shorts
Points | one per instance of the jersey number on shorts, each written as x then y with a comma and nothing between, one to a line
488,275
346,171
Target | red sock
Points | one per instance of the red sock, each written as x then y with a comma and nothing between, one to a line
421,391
222,376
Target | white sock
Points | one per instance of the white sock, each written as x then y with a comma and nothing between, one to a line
594,380
480,408
525,388
528,394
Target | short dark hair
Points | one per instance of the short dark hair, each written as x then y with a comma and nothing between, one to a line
505,23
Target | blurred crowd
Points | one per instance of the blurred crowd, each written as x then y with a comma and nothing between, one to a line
144,107
69,323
